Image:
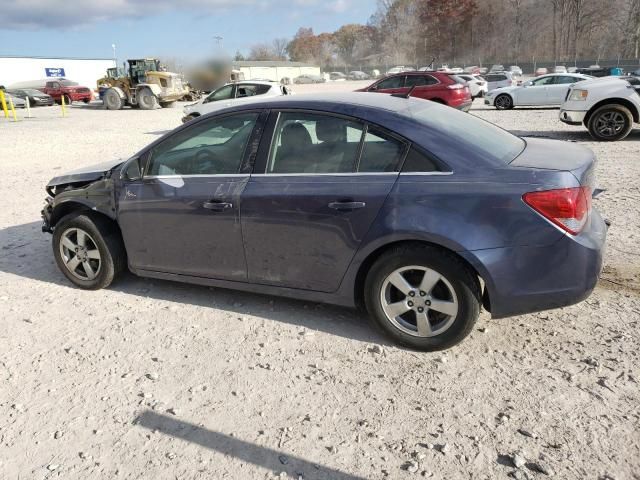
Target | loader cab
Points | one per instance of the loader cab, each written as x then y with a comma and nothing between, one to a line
138,69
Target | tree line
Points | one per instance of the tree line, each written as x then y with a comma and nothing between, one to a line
412,32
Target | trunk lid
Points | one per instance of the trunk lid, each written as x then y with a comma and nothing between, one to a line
545,154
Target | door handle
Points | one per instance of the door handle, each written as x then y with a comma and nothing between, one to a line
344,206
217,206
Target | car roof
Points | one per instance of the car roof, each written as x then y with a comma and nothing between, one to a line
254,82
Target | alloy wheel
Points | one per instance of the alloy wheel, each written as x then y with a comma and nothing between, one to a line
609,124
80,254
503,102
419,301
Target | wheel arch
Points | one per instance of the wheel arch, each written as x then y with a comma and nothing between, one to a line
371,258
614,101
78,205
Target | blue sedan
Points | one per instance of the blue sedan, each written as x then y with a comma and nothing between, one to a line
418,212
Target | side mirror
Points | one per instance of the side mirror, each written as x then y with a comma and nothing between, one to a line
132,171
373,88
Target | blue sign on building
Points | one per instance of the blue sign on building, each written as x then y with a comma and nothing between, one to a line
54,72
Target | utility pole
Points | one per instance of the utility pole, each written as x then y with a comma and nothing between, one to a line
115,58
218,40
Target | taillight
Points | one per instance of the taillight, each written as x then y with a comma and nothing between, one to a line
568,208
456,86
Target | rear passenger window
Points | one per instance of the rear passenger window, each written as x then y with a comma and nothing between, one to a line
312,143
417,161
380,152
419,80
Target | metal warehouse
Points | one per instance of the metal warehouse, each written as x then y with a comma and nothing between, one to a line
35,71
274,70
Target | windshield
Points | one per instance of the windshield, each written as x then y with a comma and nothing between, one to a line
472,136
68,83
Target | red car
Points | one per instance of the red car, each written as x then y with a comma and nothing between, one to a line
435,86
71,90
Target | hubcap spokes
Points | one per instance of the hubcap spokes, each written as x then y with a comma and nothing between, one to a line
610,123
419,301
80,254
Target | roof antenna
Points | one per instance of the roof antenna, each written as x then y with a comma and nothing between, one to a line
404,95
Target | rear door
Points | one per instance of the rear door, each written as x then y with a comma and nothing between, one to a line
183,216
317,187
557,91
394,84
426,86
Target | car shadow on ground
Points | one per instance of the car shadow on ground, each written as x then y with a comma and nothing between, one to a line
264,457
26,252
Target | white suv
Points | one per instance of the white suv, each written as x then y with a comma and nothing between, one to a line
233,93
607,106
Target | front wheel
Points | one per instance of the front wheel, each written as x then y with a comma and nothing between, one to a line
147,100
88,250
610,123
503,102
422,297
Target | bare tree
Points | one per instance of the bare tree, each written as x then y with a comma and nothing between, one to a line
279,46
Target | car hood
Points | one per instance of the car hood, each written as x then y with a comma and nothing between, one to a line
86,174
603,82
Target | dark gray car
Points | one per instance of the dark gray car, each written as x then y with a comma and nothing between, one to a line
418,212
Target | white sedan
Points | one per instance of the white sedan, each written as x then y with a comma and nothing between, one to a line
232,94
547,90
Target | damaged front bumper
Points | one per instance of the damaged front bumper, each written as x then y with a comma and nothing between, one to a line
46,213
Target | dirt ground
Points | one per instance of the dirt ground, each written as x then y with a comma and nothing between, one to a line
158,380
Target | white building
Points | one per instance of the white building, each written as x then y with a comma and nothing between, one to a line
35,71
274,70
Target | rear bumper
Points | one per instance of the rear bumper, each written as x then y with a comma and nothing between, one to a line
523,280
572,117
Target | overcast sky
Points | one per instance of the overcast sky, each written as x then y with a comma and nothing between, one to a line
164,28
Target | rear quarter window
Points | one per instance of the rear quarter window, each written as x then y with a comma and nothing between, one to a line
449,132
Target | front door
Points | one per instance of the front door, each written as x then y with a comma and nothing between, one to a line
314,194
184,215
535,92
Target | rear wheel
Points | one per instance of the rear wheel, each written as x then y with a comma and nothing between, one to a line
112,100
67,100
422,297
88,250
503,102
610,123
147,100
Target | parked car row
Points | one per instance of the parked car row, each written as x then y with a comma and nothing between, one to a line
19,97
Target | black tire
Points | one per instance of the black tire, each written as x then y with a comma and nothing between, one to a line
112,100
67,100
86,101
463,281
503,102
102,233
147,100
610,123
189,117
167,104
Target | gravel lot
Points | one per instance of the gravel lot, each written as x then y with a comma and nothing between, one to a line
153,379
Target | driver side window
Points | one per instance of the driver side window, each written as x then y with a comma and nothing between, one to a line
212,147
542,81
223,93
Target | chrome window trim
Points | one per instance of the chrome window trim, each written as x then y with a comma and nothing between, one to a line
210,175
347,174
404,174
